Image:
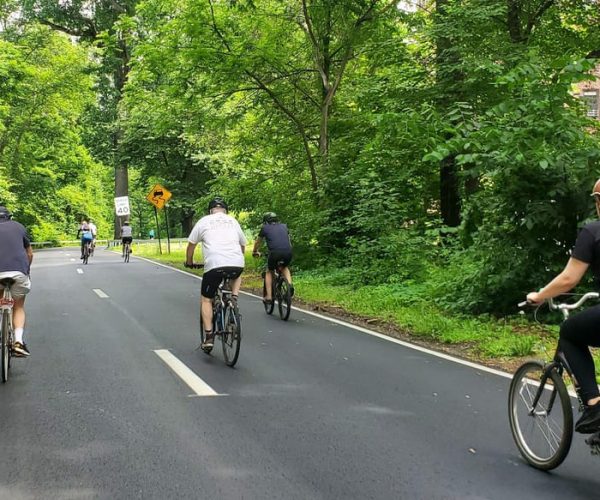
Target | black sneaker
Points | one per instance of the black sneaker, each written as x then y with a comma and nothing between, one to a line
589,422
209,342
20,350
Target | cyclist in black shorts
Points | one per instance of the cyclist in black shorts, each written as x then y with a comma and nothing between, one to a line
278,241
223,246
583,329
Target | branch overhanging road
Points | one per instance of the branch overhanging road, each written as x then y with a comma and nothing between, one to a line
313,409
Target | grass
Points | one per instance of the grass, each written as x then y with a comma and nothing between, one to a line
480,338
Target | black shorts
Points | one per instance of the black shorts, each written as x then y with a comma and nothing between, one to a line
212,279
127,239
278,258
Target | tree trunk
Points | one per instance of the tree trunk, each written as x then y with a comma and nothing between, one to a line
449,192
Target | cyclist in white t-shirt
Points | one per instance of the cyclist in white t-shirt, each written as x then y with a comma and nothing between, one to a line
126,236
223,246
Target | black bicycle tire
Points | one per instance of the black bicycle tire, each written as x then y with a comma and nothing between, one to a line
127,252
268,307
284,298
565,401
86,254
232,312
5,348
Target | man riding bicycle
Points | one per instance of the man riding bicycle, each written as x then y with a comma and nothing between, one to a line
583,329
86,234
126,236
15,262
223,246
278,241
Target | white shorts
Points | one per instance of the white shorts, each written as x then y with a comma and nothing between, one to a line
22,283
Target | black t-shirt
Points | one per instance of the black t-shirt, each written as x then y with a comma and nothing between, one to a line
587,248
13,242
277,237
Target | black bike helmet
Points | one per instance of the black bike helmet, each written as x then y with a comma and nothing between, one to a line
217,202
4,213
270,218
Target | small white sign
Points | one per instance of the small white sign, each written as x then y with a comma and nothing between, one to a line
122,205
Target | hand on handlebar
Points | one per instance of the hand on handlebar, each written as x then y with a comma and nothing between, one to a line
192,265
533,298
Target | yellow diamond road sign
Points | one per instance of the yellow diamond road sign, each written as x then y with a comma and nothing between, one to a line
158,196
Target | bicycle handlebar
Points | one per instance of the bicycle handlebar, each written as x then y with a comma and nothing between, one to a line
570,307
564,306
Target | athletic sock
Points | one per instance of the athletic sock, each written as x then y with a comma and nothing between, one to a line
19,335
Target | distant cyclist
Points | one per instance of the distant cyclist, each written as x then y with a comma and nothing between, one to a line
278,241
86,234
15,262
583,329
126,236
223,247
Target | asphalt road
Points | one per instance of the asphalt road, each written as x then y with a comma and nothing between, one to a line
313,410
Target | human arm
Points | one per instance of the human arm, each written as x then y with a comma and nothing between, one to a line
569,278
257,244
189,253
29,252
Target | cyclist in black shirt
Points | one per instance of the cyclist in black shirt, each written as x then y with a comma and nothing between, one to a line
278,241
583,329
15,262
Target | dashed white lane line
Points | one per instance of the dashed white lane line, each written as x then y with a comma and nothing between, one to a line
197,385
79,270
100,293
72,260
415,347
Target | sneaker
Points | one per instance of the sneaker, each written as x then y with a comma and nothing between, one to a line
20,350
268,302
589,422
209,342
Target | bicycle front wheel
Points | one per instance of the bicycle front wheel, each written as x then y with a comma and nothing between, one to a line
231,336
5,340
284,299
542,433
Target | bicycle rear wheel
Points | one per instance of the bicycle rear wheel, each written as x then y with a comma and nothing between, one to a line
543,434
5,348
284,298
86,253
127,252
231,336
268,307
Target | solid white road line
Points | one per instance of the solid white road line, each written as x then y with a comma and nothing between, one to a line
197,385
100,293
79,271
367,331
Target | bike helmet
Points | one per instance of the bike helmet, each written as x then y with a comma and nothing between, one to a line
217,202
4,213
270,218
126,223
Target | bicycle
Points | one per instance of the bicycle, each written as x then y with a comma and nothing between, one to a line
126,251
227,320
86,251
538,401
6,329
281,292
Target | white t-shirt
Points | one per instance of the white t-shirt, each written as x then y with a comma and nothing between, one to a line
93,228
221,237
